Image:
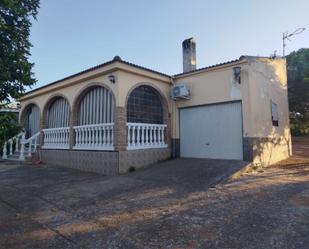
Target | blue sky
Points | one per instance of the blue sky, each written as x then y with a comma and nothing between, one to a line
72,35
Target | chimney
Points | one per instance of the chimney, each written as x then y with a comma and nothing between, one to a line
189,55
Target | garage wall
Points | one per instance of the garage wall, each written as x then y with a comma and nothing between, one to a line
268,82
262,80
216,86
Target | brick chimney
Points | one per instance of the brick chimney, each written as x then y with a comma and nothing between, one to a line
189,55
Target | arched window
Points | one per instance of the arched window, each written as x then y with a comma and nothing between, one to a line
58,113
32,120
96,107
144,106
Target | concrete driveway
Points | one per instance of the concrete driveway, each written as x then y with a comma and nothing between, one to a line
175,204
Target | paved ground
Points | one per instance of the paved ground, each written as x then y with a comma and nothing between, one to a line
171,205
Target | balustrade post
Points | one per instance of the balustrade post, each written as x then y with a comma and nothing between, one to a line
146,130
77,136
138,138
112,134
84,135
29,149
11,147
100,136
4,152
81,132
16,143
143,137
22,147
155,129
133,136
96,135
162,135
150,130
104,135
35,144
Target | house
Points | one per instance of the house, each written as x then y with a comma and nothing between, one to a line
11,108
118,115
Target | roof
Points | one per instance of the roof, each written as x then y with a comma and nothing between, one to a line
211,67
118,59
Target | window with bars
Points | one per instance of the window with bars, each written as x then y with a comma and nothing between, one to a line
58,113
144,106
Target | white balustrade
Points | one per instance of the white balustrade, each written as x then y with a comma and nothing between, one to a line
144,136
4,152
21,143
12,149
56,138
94,137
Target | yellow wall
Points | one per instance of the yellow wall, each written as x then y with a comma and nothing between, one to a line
128,81
262,80
126,77
70,92
268,82
215,86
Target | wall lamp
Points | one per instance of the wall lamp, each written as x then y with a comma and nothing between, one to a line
237,72
112,78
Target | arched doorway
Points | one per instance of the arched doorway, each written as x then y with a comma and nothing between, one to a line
145,119
94,128
56,116
30,120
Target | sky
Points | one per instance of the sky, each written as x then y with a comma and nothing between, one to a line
72,35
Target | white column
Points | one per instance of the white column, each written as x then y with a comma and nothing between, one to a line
82,130
35,143
129,132
22,148
143,135
29,149
112,134
150,130
4,155
155,129
16,144
100,136
146,130
133,135
138,138
11,146
104,135
96,130
162,135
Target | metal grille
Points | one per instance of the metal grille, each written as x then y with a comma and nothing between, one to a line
144,106
97,107
32,121
58,114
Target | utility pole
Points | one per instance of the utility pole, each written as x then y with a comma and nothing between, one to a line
286,35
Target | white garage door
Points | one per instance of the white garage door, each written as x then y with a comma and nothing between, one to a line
213,131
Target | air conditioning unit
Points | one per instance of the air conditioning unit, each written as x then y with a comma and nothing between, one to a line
180,92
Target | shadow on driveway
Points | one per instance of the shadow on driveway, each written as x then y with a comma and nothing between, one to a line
168,205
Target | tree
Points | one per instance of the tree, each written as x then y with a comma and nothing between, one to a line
298,82
8,127
15,69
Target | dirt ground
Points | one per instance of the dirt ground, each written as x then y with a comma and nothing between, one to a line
48,207
301,146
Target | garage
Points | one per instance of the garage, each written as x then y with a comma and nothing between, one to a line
212,131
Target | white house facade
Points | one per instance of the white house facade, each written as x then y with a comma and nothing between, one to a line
119,115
